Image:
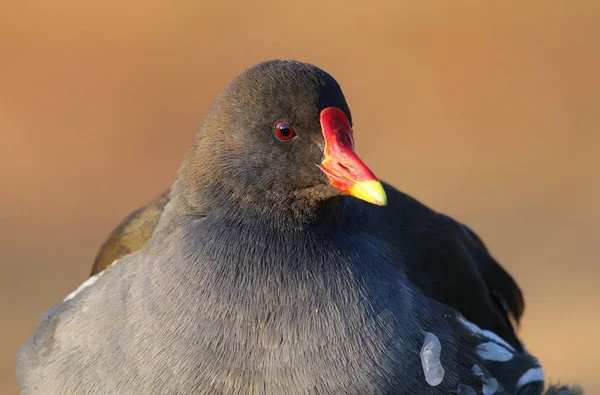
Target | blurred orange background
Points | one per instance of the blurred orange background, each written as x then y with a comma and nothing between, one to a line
487,111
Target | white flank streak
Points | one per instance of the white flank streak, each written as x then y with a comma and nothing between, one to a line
490,386
494,352
485,333
430,359
533,374
86,284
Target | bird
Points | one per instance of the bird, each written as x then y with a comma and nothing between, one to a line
281,265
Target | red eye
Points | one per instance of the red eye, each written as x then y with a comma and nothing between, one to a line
284,131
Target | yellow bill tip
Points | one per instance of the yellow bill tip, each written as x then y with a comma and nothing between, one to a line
370,191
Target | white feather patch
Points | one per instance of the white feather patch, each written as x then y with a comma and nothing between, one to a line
89,282
533,374
484,333
494,352
430,359
83,286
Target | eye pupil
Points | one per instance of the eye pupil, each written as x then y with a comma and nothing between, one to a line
284,131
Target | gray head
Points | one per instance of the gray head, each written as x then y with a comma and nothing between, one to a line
278,139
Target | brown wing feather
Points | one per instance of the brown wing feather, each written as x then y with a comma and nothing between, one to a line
131,234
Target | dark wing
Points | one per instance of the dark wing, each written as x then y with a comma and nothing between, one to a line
450,264
131,234
501,284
